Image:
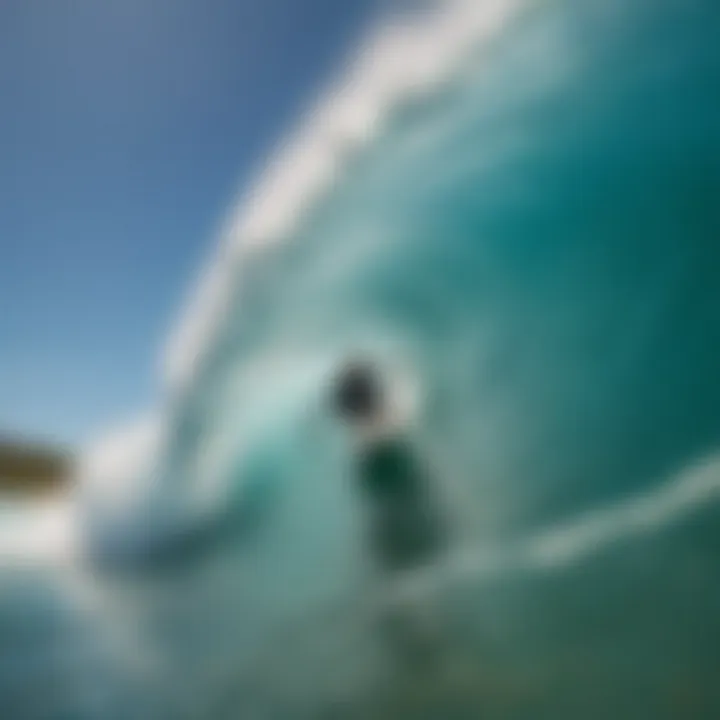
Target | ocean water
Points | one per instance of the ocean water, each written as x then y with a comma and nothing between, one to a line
530,236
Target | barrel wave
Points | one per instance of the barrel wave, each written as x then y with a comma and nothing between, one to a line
521,226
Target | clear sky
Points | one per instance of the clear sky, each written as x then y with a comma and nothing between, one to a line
127,128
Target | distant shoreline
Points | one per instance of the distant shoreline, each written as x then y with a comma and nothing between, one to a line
29,467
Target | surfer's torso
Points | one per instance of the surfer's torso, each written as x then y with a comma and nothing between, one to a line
405,527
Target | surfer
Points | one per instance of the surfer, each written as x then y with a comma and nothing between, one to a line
404,528
405,531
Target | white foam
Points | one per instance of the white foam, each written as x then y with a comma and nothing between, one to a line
33,534
640,515
114,469
110,480
570,543
399,61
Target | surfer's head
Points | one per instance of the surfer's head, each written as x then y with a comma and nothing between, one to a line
357,394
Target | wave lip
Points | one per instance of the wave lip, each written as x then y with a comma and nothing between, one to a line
401,61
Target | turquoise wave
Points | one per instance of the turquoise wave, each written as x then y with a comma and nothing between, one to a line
535,241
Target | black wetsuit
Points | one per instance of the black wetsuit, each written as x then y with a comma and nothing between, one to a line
405,525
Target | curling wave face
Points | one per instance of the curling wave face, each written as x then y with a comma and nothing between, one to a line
525,226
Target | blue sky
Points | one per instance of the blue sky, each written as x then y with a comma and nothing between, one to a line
127,128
